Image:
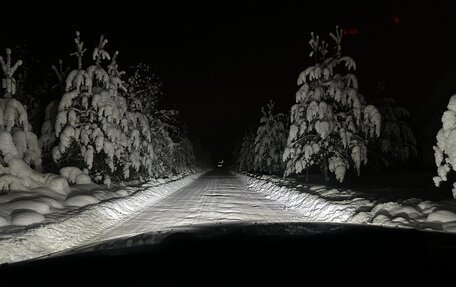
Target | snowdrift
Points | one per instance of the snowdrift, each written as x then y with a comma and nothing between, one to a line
66,223
320,203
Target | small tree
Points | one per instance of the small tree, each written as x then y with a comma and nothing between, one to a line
270,141
170,141
93,118
19,149
8,81
61,72
331,123
17,138
397,143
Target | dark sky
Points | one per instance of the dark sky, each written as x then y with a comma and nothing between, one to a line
221,62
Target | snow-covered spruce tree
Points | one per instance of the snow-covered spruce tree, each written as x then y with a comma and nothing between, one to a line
330,122
164,148
144,92
14,118
171,145
270,141
445,150
161,159
94,127
247,153
20,154
142,157
397,143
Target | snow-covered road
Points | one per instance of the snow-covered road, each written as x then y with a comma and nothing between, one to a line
216,197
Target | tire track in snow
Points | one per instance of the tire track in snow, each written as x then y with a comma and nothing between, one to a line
216,197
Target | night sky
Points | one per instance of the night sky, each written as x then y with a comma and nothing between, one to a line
221,62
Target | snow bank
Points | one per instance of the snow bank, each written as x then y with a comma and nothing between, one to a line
82,200
78,226
26,217
75,175
27,204
442,216
318,203
308,204
26,208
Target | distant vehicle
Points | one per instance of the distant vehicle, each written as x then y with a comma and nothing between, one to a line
220,163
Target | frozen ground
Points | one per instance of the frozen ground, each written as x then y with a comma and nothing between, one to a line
214,198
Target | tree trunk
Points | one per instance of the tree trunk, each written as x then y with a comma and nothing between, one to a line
307,174
325,169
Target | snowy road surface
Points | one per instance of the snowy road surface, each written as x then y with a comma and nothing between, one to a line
216,197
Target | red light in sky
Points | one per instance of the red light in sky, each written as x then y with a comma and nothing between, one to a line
350,31
396,20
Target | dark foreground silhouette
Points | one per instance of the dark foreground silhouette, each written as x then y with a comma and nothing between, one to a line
240,255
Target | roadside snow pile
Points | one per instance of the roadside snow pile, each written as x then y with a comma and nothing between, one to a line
319,203
21,208
26,217
75,176
82,200
65,226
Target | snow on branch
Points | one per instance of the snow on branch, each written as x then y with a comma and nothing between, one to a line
8,82
445,149
99,53
80,50
331,123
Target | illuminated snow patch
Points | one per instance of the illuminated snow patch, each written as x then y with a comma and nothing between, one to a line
320,203
78,226
312,206
26,217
